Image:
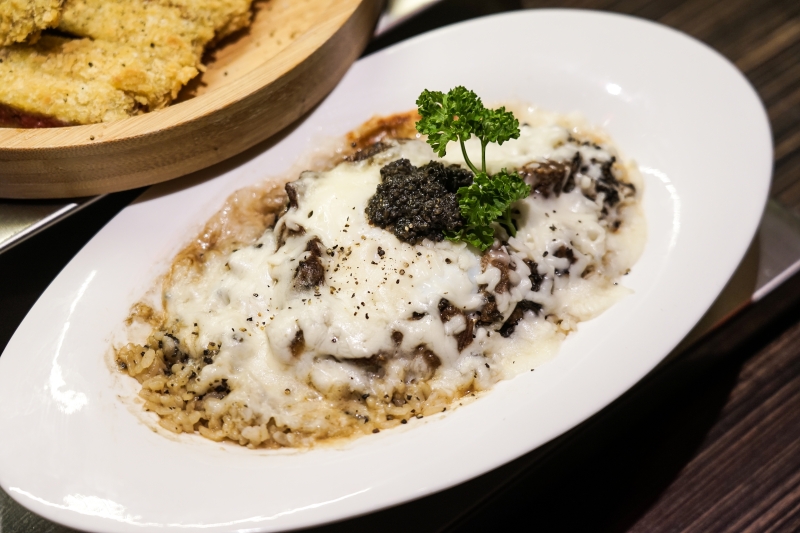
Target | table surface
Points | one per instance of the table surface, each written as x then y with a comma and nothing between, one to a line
710,441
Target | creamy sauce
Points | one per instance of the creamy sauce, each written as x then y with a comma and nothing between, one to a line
328,322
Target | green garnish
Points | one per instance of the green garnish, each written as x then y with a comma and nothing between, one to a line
457,116
488,200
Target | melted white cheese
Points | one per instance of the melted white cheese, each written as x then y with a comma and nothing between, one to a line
376,286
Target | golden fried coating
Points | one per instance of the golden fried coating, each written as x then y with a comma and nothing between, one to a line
224,16
23,19
28,87
140,24
131,56
153,81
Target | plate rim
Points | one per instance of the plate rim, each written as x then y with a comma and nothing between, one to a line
721,283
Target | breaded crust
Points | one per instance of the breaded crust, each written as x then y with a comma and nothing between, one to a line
24,19
140,24
224,16
153,81
131,56
28,87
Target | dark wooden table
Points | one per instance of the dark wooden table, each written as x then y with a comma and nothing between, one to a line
710,441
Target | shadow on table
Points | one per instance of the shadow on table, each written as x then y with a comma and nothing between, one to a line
606,473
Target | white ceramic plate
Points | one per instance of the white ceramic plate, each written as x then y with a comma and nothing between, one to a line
73,452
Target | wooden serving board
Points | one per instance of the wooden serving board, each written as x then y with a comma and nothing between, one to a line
256,84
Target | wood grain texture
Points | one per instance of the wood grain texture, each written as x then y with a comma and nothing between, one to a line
746,474
292,56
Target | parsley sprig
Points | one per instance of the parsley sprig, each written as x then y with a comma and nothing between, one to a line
457,116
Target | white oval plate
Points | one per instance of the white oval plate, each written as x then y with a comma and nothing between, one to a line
73,452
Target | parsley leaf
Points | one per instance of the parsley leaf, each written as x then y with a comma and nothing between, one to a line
485,201
456,116
449,117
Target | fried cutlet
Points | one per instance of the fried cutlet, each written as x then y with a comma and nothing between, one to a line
131,56
25,19
224,16
140,24
28,88
152,80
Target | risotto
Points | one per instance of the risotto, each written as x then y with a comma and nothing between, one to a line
317,311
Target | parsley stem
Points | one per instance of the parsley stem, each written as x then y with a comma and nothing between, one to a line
508,223
466,157
483,154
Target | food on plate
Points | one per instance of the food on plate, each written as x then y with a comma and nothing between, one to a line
126,58
394,283
25,19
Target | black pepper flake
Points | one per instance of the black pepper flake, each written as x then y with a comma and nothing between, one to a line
404,421
255,294
376,430
545,254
